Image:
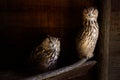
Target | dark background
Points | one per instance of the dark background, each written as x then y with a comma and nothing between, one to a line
25,23
22,28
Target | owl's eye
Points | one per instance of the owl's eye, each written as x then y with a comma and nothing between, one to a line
52,45
89,15
50,40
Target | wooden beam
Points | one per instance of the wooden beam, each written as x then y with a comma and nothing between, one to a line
103,42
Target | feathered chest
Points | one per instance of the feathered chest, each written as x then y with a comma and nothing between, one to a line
90,30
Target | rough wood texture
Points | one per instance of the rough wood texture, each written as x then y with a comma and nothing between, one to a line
103,42
114,57
78,69
67,73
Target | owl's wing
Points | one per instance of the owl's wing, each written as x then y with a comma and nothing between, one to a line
38,53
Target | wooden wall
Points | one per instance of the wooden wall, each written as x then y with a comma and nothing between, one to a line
114,59
24,23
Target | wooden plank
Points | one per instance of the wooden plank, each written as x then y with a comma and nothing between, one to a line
115,6
114,55
114,60
76,70
69,72
103,42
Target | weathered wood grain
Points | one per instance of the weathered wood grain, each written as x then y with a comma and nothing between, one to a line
78,69
114,60
103,41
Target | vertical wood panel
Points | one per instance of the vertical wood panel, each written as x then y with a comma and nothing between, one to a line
114,60
115,5
103,42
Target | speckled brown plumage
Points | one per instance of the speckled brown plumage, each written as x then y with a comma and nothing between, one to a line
46,54
87,37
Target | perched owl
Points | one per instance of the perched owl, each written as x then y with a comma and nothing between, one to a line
87,37
46,54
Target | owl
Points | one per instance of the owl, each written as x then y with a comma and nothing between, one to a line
45,55
87,37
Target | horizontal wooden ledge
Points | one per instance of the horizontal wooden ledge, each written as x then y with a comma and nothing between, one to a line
76,70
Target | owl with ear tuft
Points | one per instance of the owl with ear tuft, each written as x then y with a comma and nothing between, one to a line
87,38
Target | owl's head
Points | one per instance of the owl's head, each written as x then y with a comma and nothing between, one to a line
54,42
90,13
51,42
